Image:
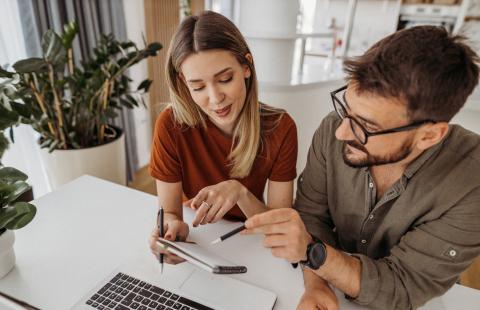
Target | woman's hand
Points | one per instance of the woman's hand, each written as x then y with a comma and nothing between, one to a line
175,230
213,202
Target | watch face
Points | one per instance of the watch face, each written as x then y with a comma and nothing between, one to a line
317,255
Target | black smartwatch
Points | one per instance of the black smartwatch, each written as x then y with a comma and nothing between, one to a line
316,255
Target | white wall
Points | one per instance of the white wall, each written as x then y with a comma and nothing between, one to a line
135,22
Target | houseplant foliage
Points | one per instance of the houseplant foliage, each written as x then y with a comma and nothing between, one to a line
13,214
71,106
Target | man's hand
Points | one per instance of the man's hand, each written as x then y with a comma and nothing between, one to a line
319,297
318,294
285,233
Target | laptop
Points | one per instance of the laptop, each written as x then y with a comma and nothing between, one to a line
139,285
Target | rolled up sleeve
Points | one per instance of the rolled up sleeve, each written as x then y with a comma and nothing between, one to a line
426,262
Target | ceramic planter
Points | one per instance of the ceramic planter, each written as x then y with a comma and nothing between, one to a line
107,161
7,255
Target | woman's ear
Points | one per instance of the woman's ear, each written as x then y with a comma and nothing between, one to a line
246,69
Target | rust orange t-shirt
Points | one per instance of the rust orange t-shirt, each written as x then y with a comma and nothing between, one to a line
198,156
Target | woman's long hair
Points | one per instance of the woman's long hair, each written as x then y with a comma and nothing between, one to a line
209,31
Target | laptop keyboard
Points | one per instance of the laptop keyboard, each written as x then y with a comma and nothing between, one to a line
125,292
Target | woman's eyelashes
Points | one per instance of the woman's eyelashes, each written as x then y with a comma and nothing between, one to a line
223,81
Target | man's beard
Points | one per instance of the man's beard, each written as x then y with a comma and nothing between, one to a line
371,160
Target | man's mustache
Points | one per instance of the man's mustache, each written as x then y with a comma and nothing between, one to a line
357,145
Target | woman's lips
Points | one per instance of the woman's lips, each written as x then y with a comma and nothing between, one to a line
223,111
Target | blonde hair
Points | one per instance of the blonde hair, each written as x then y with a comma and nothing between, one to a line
207,31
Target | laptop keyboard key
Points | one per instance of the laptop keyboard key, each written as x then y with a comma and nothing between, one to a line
127,302
118,298
106,302
161,307
142,308
169,303
153,304
146,301
154,297
89,302
177,306
138,298
186,308
156,290
135,305
175,297
145,293
162,300
167,294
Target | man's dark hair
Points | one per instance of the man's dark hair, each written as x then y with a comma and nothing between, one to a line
425,67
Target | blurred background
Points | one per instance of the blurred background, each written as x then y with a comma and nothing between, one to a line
298,48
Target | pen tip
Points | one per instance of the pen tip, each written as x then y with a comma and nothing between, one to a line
216,241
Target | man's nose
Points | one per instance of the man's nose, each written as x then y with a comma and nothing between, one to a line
344,131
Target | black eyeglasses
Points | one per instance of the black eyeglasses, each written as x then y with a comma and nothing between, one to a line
358,130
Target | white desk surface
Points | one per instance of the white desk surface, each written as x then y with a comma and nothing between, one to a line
89,227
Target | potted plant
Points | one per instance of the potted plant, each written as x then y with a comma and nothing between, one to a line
72,107
14,214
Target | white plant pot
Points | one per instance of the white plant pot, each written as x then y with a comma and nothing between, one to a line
7,255
106,161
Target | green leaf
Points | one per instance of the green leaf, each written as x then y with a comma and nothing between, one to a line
21,108
132,100
17,215
145,85
10,174
70,30
10,192
154,47
30,65
5,74
7,118
53,50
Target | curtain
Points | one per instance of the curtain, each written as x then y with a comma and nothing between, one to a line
94,17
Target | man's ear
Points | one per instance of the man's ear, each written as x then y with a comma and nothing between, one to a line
431,134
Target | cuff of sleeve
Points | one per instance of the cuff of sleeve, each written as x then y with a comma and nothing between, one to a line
283,177
369,283
325,234
163,177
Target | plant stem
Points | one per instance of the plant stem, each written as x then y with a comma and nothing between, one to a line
70,61
58,108
41,103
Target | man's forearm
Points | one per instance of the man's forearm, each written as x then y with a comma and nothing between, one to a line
342,271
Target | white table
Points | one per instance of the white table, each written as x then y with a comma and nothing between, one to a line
88,227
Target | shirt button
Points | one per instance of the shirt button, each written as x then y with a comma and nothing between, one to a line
370,185
370,217
363,241
452,253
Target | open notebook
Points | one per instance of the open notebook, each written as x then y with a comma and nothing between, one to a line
201,257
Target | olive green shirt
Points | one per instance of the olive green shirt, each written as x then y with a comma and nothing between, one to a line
417,239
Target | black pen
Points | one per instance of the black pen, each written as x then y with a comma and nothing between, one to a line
229,234
160,231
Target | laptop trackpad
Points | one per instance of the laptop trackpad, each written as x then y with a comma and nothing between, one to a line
224,292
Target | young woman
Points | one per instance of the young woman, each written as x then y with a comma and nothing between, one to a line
216,147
